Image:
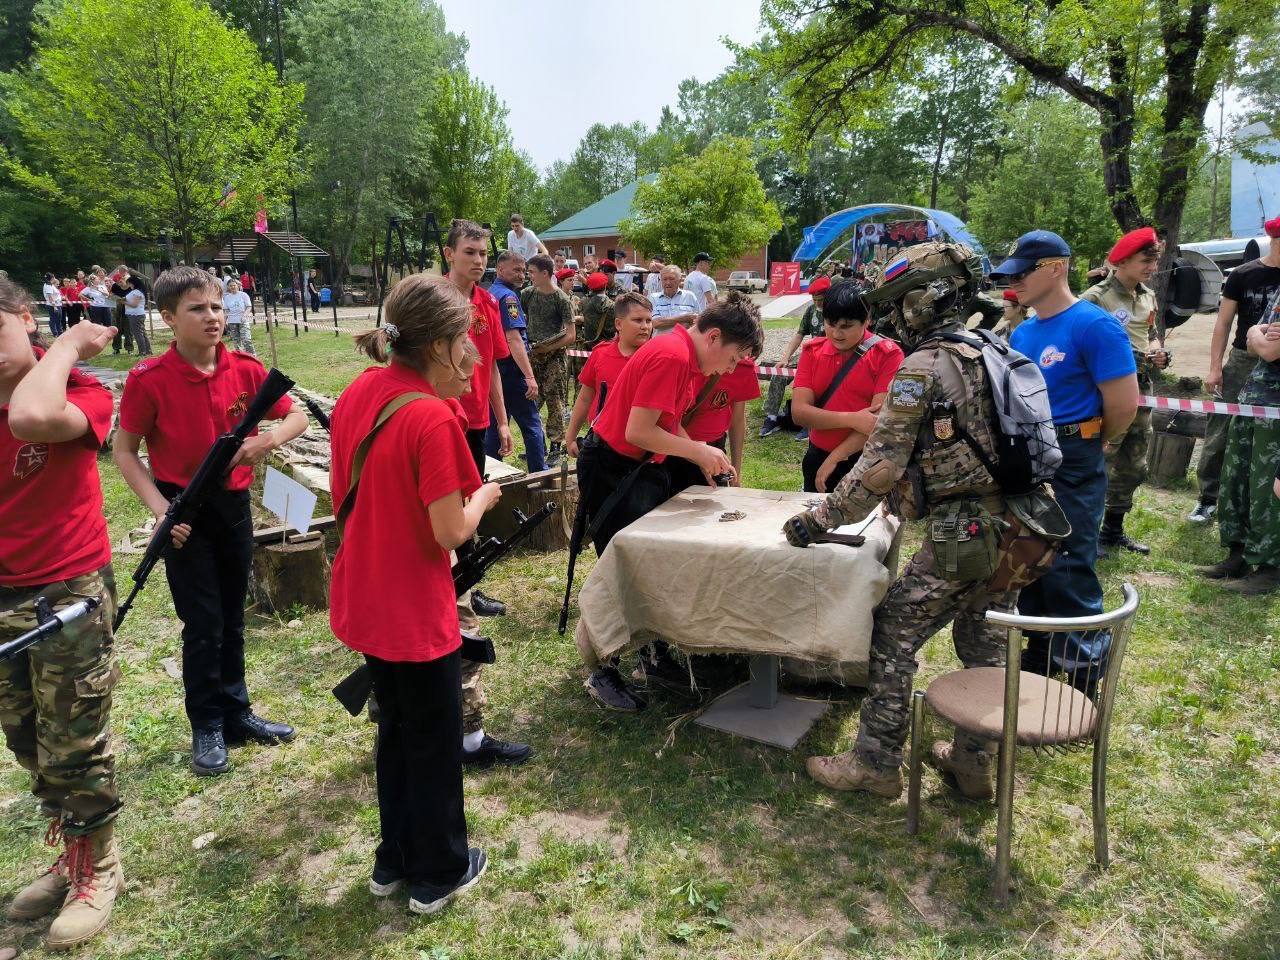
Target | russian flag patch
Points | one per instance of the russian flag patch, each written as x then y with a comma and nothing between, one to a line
896,268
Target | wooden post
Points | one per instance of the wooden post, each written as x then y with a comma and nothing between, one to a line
296,572
1168,459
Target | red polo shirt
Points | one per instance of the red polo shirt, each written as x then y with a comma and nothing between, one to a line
486,333
712,420
180,411
819,361
391,594
662,375
51,522
602,367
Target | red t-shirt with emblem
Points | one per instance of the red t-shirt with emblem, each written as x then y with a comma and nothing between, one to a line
180,411
712,420
391,595
662,375
819,361
51,522
487,334
602,367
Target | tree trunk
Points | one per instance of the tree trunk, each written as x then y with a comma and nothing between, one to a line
291,574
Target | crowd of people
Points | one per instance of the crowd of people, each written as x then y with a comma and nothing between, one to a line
118,299
894,390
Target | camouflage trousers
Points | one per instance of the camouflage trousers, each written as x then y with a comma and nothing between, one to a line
777,390
55,702
1235,371
919,604
1248,510
473,697
551,371
1127,463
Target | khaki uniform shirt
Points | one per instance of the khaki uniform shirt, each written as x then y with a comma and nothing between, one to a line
1136,311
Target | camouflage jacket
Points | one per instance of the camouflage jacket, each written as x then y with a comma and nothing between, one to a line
939,388
597,320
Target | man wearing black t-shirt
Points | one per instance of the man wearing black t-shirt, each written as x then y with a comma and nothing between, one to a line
120,288
1244,297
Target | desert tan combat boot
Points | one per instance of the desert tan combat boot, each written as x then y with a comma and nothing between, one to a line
845,771
93,868
45,894
971,776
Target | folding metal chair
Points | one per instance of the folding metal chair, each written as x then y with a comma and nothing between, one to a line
1019,708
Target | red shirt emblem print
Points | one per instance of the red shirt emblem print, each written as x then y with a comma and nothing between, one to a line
30,459
240,406
478,323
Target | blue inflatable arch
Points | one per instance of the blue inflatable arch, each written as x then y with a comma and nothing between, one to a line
819,238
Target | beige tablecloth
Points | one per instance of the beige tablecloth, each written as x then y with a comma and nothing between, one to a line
735,587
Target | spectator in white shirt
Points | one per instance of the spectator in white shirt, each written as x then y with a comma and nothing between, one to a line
135,314
524,241
53,301
235,304
671,305
700,283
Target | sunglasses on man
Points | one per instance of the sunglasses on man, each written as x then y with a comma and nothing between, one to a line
1019,277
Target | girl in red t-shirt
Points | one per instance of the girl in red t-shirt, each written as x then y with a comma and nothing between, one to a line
392,598
55,696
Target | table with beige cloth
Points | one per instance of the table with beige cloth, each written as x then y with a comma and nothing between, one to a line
713,586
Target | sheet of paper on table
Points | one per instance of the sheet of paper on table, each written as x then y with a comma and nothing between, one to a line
735,587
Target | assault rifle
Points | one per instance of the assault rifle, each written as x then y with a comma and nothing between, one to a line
208,475
353,691
48,623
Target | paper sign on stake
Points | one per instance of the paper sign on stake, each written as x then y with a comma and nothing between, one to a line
289,500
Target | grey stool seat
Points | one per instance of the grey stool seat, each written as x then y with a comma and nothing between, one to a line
1050,712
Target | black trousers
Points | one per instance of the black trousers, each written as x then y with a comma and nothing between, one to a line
209,579
684,473
124,335
814,458
601,471
419,765
475,443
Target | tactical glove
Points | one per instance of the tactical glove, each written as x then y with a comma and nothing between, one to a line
802,529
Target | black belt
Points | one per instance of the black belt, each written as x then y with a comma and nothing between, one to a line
1074,429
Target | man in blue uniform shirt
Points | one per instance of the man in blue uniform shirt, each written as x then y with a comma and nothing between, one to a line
519,387
1092,379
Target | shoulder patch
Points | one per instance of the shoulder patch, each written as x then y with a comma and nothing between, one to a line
513,308
907,391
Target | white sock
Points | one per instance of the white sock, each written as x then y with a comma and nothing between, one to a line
472,741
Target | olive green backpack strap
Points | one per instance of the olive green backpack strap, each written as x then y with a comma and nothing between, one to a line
362,451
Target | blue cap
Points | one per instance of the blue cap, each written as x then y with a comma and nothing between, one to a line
1030,249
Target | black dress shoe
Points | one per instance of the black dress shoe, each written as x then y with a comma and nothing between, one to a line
251,727
608,689
493,751
208,752
487,606
425,899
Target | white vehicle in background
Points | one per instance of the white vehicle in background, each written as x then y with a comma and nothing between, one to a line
748,281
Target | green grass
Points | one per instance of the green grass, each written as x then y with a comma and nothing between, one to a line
649,837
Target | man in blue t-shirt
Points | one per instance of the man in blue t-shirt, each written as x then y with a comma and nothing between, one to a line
519,387
1092,379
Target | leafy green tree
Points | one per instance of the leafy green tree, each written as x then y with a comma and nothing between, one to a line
17,19
372,71
169,120
713,202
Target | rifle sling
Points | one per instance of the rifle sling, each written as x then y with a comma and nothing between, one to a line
392,406
860,351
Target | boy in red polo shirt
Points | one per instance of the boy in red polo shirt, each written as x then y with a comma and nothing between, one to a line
55,696
720,420
634,318
180,403
839,427
640,426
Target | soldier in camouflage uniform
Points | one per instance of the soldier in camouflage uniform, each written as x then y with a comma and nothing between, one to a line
1125,295
55,696
597,314
1248,509
940,389
551,331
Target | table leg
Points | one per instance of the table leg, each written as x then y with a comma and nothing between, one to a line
764,682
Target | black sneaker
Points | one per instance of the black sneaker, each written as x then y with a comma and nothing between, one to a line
428,900
248,726
492,751
208,752
1203,513
608,689
385,881
769,426
486,606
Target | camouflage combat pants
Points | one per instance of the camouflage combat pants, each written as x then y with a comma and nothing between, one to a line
777,390
473,699
1127,464
55,702
551,371
919,604
1239,364
1248,510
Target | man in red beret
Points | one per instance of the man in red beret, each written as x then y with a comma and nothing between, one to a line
810,326
1125,294
1244,294
597,312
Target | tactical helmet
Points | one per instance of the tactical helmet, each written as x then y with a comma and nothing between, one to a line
927,286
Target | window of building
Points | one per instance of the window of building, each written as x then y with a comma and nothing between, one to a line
588,249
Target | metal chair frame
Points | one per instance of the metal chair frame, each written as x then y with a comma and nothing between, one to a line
1120,622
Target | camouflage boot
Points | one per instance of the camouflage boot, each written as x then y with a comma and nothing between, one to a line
45,894
845,771
969,773
93,868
